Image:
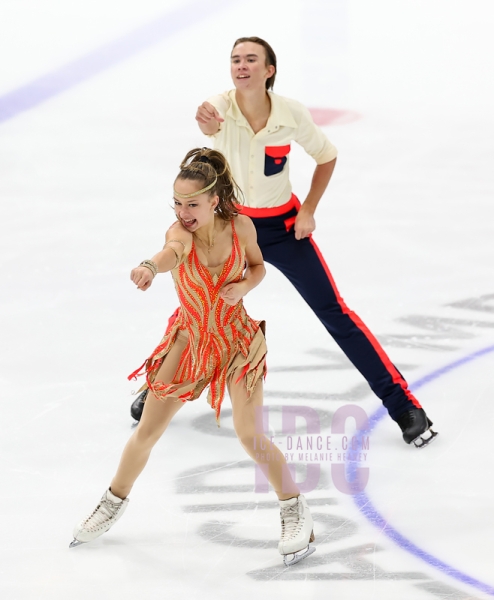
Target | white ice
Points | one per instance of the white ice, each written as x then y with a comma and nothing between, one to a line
406,227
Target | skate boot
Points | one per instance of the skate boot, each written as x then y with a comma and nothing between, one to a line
138,406
296,530
106,514
416,427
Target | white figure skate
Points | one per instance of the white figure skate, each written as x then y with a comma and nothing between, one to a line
296,530
106,514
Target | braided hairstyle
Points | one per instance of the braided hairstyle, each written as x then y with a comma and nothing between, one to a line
205,165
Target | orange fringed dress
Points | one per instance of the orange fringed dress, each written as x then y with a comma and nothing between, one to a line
223,341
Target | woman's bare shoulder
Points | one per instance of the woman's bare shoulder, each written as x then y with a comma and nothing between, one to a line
178,232
178,229
245,229
244,223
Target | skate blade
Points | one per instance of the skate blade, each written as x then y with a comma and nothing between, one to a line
296,557
424,439
75,543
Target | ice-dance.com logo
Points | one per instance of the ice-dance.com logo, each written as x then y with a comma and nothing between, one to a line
314,449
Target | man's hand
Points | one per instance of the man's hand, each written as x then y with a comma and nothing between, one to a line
207,113
305,223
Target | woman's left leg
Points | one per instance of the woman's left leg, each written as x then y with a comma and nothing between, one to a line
247,421
296,521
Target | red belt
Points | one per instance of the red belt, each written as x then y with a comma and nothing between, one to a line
275,211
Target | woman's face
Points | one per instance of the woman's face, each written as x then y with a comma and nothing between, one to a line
248,66
197,211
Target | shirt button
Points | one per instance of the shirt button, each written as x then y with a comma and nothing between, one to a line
252,156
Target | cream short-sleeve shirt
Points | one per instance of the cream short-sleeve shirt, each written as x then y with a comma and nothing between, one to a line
260,161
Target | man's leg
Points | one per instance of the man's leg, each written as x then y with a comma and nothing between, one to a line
303,264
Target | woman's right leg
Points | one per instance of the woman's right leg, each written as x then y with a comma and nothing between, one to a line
155,419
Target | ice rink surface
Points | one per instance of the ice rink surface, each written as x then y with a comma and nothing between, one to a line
97,105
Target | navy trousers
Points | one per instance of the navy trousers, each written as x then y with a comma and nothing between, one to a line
303,264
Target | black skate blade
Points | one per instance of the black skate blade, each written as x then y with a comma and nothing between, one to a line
424,439
75,543
296,557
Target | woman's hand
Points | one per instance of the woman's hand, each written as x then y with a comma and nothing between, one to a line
232,293
142,277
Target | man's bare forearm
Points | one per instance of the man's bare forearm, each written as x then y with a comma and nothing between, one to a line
320,180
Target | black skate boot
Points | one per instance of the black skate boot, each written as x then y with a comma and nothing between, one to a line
416,427
138,406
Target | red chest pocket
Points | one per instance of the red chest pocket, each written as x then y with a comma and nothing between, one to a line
275,158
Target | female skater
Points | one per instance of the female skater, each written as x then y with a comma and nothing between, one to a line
213,342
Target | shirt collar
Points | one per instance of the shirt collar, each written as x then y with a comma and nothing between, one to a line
280,113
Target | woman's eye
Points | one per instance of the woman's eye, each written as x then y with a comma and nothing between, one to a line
192,205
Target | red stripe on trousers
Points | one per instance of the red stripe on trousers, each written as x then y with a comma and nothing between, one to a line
396,377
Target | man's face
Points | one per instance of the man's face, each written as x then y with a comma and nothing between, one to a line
248,66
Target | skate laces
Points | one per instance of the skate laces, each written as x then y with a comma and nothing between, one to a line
104,512
291,521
